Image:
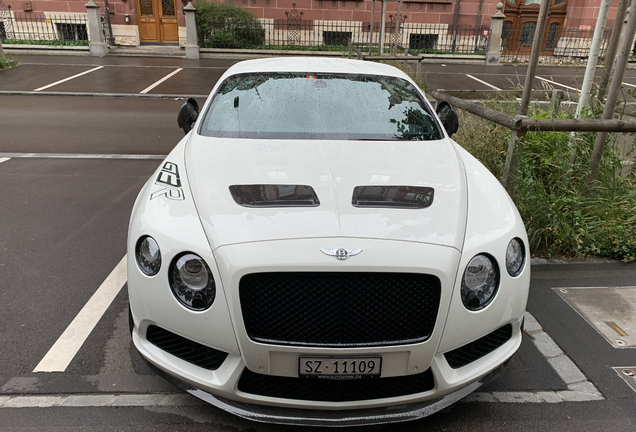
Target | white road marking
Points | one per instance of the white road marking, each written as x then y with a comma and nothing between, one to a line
628,84
62,352
483,82
559,84
67,79
170,75
8,156
4,159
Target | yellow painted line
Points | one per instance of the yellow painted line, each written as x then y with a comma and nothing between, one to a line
66,347
616,328
67,79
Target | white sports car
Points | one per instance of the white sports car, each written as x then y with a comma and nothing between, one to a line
318,251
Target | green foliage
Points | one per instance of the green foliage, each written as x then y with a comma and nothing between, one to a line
563,217
6,63
47,42
223,25
436,51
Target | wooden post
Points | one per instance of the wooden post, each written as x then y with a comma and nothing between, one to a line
382,27
612,94
534,56
612,46
515,148
372,26
397,29
557,97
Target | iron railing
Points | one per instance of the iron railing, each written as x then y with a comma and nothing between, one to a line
559,45
336,36
44,28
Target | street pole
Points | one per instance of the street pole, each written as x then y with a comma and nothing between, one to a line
382,27
613,92
612,46
515,146
592,60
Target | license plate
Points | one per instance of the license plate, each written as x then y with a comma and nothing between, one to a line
339,368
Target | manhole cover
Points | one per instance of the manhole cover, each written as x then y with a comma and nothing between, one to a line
610,310
628,374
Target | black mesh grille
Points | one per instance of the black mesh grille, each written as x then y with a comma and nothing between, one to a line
312,389
479,348
185,349
339,309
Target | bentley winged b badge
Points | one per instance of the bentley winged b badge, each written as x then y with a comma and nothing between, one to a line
341,254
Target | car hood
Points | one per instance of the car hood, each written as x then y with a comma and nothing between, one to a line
333,169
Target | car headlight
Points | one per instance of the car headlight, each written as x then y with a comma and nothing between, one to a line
515,257
148,255
191,281
480,282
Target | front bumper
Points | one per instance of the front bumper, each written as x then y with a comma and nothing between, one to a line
347,418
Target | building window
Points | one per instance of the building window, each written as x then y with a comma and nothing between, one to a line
266,2
408,5
527,33
357,3
336,38
72,32
244,1
334,3
505,33
422,41
344,3
552,36
253,2
421,6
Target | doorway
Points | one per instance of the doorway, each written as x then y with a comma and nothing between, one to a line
158,22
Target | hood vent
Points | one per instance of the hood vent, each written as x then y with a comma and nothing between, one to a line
274,196
408,197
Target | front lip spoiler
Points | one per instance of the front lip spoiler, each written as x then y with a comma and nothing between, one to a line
325,418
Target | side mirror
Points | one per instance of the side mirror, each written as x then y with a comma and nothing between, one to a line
188,114
448,117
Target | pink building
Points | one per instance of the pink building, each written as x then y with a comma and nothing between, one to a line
137,22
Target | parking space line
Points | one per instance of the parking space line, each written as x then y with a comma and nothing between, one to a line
4,159
628,84
66,347
67,79
559,84
8,156
170,75
484,82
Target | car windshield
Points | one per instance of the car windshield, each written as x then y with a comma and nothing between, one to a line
319,106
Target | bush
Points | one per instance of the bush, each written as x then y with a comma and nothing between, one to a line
222,25
562,216
6,63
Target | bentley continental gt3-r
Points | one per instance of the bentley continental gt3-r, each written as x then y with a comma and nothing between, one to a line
318,251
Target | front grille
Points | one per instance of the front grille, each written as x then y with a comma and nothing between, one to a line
313,389
479,348
185,349
339,309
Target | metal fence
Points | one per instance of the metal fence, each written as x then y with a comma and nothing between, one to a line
46,28
559,45
336,35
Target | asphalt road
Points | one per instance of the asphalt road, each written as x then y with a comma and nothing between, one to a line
64,226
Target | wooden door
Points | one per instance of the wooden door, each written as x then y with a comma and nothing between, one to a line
158,22
169,24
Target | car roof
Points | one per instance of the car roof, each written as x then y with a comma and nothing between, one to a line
315,65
